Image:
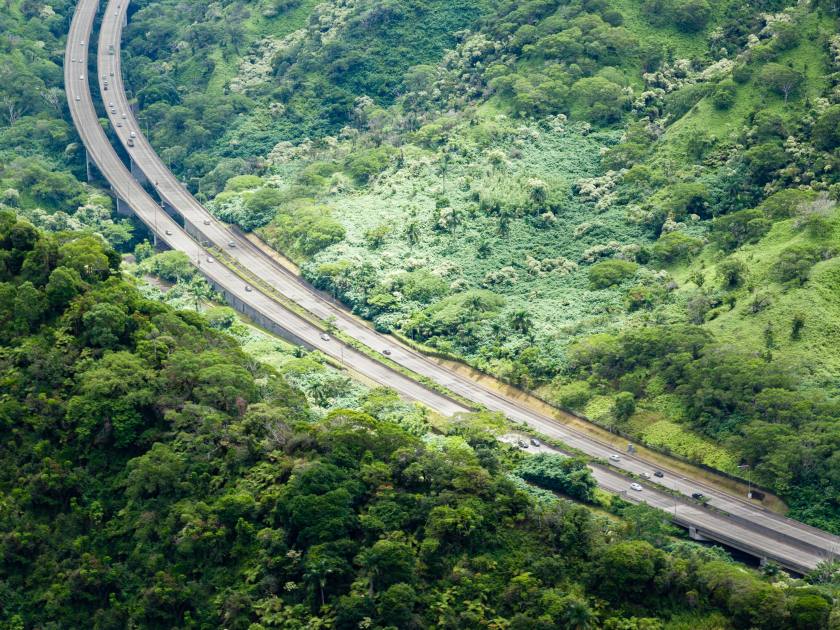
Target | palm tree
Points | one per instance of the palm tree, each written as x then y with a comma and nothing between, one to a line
521,321
412,233
199,290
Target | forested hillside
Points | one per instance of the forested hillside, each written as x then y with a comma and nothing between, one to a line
153,475
628,207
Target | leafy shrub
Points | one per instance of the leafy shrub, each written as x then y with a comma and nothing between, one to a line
795,262
785,203
676,246
302,230
826,131
171,265
243,182
745,226
781,79
724,95
687,15
568,475
573,395
763,160
643,296
367,163
598,100
455,315
260,208
420,285
610,272
684,199
731,273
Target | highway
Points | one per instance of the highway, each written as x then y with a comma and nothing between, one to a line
794,545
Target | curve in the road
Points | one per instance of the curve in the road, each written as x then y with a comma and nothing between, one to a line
791,543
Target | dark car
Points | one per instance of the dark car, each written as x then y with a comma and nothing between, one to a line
698,495
658,473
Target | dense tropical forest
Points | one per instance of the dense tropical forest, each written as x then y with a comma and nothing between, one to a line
155,475
626,207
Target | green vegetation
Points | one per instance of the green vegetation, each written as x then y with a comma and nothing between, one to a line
557,176
156,475
42,162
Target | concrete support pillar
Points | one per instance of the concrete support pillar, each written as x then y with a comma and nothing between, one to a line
87,165
137,172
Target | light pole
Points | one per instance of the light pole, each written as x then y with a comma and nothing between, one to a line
748,468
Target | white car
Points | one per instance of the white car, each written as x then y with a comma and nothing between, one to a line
78,98
206,221
636,487
133,134
248,288
325,336
209,259
615,458
231,244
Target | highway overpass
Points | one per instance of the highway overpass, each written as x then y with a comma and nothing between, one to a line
728,519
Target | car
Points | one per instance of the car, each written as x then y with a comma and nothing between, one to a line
615,458
119,124
110,103
123,116
133,134
81,77
636,487
78,98
81,42
168,232
535,442
105,88
522,444
130,142
207,221
248,288
387,352
113,111
73,60
209,259
645,475
658,473
698,495
231,244
325,336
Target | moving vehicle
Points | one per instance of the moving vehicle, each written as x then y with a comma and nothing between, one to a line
658,473
248,288
698,495
535,442
387,352
615,458
645,475
325,336
635,486
231,244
